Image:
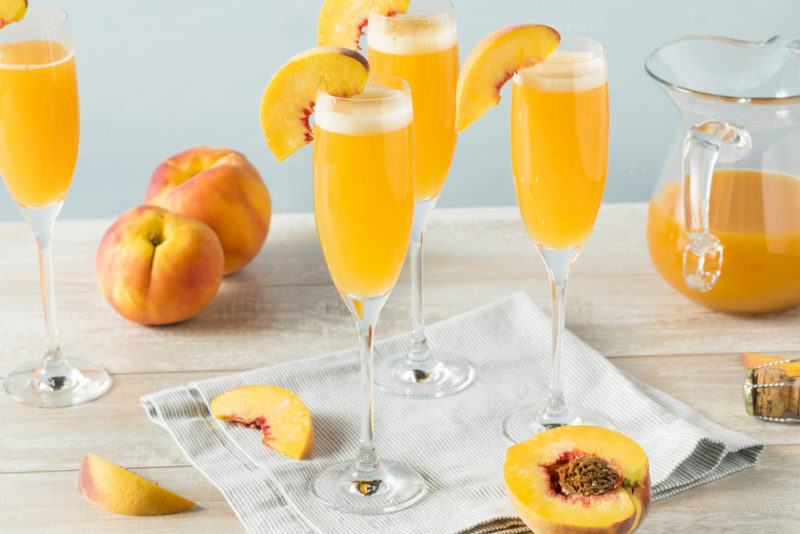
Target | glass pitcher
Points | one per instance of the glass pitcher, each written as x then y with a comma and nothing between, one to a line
723,226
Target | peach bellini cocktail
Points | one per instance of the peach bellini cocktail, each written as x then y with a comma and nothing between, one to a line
39,132
363,206
559,157
420,46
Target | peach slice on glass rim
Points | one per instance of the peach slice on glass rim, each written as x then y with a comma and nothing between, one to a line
123,492
283,418
290,96
342,22
578,479
494,61
12,11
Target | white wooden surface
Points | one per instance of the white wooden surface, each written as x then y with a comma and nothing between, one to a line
283,307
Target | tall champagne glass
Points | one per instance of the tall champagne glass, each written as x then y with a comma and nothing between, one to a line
559,156
421,47
38,149
363,206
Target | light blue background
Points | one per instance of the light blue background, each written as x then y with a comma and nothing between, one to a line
158,76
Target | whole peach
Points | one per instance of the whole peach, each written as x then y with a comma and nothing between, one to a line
156,267
220,187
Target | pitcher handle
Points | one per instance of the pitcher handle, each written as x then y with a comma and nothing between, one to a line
705,144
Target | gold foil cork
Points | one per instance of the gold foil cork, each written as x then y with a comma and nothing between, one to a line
772,391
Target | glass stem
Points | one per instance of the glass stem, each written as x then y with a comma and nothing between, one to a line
366,314
419,347
53,369
558,264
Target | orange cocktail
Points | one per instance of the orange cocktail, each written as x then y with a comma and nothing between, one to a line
761,246
559,146
424,52
364,188
39,126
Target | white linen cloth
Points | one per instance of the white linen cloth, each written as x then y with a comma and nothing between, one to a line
456,442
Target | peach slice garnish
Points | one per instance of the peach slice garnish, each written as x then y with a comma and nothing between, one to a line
578,479
753,359
290,96
12,11
342,22
282,416
122,492
494,61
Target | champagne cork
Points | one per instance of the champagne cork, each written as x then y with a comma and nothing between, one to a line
772,394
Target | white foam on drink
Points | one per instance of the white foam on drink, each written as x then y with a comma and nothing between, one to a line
565,72
411,34
35,66
378,109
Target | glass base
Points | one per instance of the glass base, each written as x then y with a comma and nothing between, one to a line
76,382
439,375
391,487
527,421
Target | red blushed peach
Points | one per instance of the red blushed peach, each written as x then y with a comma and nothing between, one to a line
157,267
220,187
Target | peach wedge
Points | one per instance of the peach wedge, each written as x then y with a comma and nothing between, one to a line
120,491
753,359
341,22
283,418
290,96
579,480
12,11
494,61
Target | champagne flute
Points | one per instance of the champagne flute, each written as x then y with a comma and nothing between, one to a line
38,147
421,47
363,207
559,156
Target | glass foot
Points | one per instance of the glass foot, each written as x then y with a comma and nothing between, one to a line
65,384
527,421
391,487
441,374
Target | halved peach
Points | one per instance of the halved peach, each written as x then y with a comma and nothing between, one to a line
290,96
753,359
578,479
282,416
342,22
12,11
122,492
494,61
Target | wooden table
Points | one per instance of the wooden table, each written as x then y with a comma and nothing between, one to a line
283,307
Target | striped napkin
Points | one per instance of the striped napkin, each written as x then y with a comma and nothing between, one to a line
457,441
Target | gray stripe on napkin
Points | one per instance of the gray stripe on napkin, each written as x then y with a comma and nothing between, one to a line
456,441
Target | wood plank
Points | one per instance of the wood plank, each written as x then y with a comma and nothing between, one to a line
761,499
50,502
116,427
284,306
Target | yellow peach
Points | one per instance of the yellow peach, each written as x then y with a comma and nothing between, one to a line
157,267
290,96
220,187
579,480
341,22
283,418
12,11
122,492
494,61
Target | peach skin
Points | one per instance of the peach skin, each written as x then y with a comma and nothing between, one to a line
120,491
157,267
220,187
